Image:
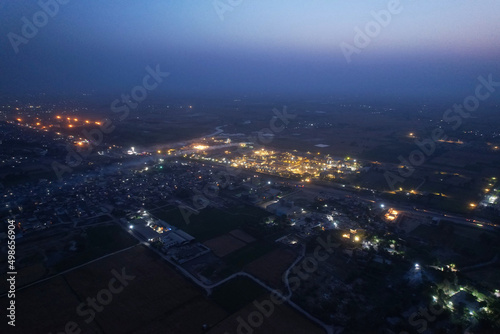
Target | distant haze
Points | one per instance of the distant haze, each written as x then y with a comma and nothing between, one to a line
432,48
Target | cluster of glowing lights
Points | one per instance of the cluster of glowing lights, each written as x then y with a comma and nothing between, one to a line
492,199
348,236
69,119
391,215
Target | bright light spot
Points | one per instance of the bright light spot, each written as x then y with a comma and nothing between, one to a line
131,227
417,266
356,238
382,206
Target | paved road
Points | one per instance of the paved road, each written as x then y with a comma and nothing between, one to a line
209,287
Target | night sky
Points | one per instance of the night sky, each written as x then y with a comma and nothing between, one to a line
430,48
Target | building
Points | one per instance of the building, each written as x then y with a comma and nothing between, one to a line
146,233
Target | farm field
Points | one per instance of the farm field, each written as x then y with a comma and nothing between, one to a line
155,294
271,267
224,245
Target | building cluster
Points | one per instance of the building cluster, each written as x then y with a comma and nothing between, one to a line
303,166
156,230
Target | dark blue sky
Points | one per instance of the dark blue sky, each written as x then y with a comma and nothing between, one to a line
429,48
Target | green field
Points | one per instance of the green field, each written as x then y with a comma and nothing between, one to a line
470,245
210,222
99,241
236,293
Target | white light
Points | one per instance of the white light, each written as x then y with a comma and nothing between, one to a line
417,266
131,226
382,206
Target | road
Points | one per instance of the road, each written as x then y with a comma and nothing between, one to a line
209,287
409,209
